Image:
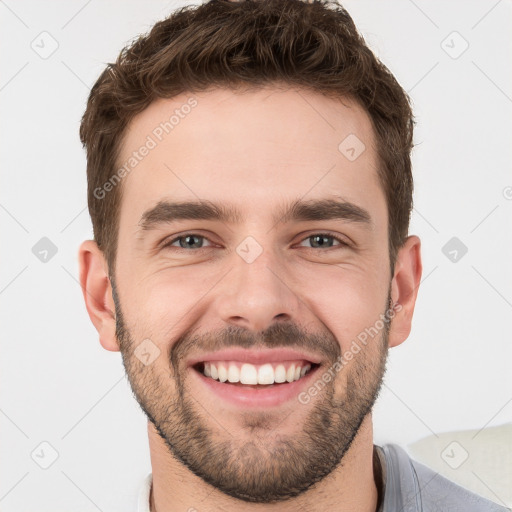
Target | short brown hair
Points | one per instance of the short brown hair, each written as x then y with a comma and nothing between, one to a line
311,45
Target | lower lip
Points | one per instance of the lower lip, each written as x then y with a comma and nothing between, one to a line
247,396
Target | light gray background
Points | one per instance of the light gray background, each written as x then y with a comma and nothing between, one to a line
59,385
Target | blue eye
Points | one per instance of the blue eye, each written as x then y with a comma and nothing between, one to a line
187,241
194,241
323,240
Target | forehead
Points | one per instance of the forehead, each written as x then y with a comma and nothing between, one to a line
252,149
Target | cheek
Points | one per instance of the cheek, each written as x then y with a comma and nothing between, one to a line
162,306
349,304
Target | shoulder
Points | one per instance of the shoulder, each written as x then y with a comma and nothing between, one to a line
421,489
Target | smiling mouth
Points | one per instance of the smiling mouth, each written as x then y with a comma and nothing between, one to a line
262,376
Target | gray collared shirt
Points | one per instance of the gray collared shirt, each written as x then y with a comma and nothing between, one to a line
413,487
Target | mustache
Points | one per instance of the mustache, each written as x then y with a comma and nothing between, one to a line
279,335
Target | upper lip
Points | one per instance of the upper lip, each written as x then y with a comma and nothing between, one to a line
255,356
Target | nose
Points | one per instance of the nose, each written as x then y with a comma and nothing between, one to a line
258,294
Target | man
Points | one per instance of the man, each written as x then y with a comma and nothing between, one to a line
250,188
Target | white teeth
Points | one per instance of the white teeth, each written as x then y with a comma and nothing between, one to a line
304,370
266,374
280,373
248,374
251,374
223,373
290,374
233,373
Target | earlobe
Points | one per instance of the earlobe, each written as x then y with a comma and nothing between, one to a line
404,289
97,292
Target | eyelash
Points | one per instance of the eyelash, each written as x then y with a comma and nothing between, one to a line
168,244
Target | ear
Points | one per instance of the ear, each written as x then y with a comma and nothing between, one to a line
404,289
97,292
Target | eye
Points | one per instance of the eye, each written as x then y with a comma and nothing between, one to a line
196,241
187,241
324,240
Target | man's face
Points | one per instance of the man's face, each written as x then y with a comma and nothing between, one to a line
266,279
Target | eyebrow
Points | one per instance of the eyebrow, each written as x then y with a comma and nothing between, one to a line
166,212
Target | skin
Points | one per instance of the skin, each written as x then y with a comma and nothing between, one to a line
255,150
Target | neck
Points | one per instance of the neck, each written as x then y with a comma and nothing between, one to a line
350,487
